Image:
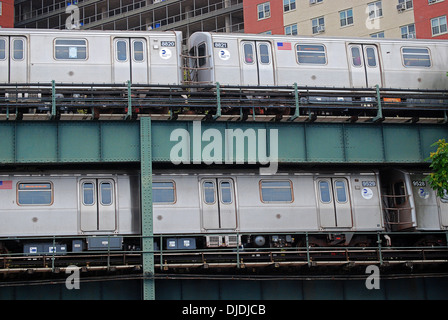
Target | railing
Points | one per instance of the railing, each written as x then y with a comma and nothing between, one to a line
37,101
433,251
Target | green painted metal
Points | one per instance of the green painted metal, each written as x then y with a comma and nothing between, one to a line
119,141
146,209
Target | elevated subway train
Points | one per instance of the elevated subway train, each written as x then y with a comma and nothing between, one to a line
206,209
114,57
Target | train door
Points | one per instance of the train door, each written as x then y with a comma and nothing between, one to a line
365,67
13,60
443,210
257,65
218,203
334,203
130,60
97,205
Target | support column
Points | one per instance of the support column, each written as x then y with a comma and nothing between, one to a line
146,207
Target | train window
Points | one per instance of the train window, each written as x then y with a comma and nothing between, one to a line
122,50
2,49
324,189
88,193
276,191
248,53
341,191
416,57
311,54
371,59
209,191
35,194
163,192
70,49
356,57
139,51
18,49
202,60
264,54
226,192
106,192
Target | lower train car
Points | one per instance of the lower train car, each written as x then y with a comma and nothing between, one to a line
267,60
205,209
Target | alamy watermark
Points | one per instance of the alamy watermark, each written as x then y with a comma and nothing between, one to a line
207,147
73,280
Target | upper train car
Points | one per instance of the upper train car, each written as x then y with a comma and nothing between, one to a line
71,56
267,60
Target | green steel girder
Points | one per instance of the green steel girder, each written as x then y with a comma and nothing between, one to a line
59,142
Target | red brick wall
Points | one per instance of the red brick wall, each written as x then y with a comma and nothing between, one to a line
273,24
7,17
424,12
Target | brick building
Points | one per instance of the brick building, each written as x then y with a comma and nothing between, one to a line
431,19
6,13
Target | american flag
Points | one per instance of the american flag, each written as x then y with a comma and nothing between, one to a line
284,45
5,185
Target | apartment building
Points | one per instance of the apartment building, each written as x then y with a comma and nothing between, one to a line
358,18
6,13
431,19
187,16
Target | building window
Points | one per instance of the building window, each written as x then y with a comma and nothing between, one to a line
316,1
405,4
289,5
264,10
1,8
438,25
408,32
346,17
375,10
291,30
377,35
318,25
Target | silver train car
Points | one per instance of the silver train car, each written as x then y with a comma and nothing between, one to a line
93,57
205,209
268,60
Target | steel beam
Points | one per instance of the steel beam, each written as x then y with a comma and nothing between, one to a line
146,209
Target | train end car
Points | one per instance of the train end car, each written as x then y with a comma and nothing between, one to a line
93,57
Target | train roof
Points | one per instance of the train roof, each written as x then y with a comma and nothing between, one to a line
250,36
23,31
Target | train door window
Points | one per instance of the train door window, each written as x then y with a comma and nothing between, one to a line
2,49
122,50
311,54
35,194
416,57
264,53
356,57
88,194
399,193
248,53
18,48
341,191
106,193
276,191
209,192
70,49
139,52
324,190
371,59
163,192
202,52
226,192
